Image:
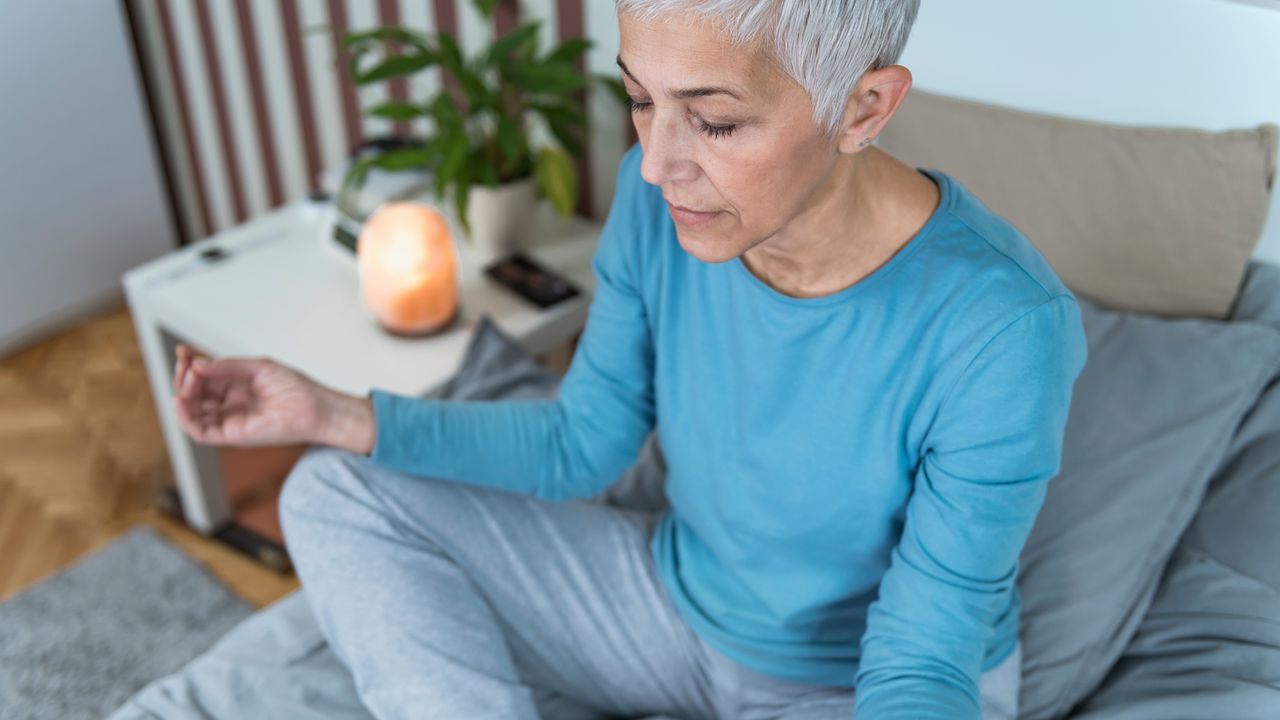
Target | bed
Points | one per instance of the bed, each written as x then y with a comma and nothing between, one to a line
1150,586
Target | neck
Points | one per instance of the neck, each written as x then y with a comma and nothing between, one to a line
865,211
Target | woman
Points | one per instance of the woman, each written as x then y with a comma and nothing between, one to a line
859,376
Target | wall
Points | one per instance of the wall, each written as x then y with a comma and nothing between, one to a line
81,199
1208,64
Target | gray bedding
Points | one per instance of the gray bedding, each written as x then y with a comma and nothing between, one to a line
1186,624
1208,646
1152,416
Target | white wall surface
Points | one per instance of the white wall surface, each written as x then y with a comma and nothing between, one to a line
1210,64
80,191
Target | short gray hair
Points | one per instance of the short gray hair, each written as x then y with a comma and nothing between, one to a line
824,45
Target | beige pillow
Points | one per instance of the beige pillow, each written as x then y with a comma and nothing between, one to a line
1142,219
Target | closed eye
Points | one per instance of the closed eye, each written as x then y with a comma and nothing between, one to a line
716,131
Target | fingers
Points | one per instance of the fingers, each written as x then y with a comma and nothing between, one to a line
204,428
187,422
190,383
231,367
200,414
187,394
187,371
207,392
179,367
186,359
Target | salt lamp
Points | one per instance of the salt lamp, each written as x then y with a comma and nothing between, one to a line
408,269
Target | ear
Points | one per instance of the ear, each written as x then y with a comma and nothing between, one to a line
870,105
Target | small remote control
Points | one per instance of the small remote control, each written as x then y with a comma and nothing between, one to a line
532,281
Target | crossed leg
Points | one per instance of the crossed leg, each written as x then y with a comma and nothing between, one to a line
450,600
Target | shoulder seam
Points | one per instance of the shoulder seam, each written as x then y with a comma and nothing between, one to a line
965,370
992,245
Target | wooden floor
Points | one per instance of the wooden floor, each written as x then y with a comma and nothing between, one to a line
82,460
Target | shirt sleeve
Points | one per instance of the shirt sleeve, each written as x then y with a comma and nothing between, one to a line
995,443
574,445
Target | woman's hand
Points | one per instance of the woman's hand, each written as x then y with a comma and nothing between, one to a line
257,401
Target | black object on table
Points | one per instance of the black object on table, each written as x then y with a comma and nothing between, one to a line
530,280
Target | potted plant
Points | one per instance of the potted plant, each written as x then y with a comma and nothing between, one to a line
480,150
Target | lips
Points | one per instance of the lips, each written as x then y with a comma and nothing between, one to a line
688,217
689,209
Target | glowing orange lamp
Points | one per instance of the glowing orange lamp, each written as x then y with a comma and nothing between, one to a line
408,269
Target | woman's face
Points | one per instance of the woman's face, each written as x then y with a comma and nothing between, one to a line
724,131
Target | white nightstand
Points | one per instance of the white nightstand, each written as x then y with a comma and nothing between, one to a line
284,289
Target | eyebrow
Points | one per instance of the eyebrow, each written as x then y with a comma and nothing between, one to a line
684,93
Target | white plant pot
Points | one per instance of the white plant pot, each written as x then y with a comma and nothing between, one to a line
501,217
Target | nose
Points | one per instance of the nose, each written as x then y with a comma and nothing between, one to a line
668,151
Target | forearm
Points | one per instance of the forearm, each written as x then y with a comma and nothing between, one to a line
523,446
346,422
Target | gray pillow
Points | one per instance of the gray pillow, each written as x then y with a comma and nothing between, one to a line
1209,645
1152,416
1259,299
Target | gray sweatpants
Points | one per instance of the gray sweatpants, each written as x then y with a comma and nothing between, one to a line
446,600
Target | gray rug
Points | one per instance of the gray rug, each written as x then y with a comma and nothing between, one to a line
80,643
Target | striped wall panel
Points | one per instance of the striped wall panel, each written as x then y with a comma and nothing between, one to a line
253,106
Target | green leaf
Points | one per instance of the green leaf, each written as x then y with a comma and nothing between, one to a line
569,112
509,139
395,66
503,46
554,77
358,45
451,59
404,158
526,54
419,157
478,93
448,118
564,122
450,53
479,97
570,49
436,147
615,87
485,7
567,138
367,38
482,168
355,175
557,179
453,163
396,110
461,198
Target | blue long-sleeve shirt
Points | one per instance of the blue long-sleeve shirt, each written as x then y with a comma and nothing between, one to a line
851,477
